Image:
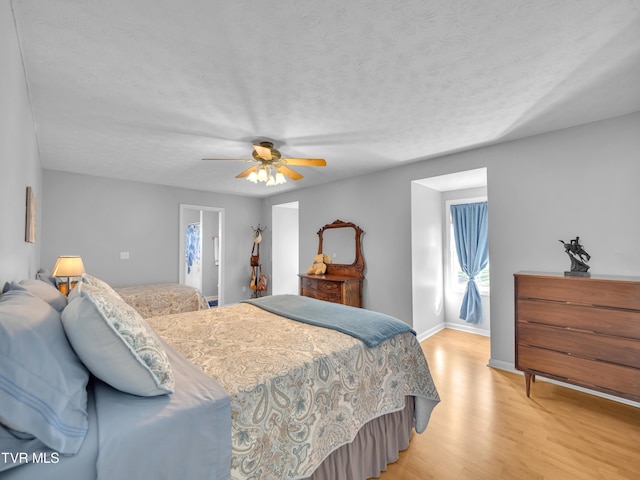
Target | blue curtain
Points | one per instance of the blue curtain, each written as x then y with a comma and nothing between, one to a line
471,232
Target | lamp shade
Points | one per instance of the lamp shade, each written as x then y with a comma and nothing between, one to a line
68,266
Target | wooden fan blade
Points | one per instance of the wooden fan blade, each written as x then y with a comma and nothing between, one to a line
292,174
247,171
235,159
307,162
263,152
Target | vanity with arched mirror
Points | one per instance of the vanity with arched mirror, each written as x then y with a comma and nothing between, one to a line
342,283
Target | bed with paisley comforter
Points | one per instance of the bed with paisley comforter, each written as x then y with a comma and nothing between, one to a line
299,390
162,298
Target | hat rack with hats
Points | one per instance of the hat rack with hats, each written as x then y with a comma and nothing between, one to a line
258,279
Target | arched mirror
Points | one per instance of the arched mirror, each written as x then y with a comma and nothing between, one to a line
342,241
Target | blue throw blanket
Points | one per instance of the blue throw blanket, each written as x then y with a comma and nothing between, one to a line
370,327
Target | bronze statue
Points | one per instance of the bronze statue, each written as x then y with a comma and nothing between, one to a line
579,258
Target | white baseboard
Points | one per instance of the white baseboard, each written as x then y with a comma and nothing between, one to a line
468,329
500,365
432,331
438,328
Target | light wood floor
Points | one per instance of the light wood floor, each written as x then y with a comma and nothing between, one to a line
486,428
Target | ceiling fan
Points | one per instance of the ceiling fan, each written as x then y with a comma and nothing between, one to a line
271,167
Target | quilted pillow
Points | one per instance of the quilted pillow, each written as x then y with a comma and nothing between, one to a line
43,290
96,282
115,343
42,382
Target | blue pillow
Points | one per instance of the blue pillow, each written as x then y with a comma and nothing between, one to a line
41,289
45,276
42,382
115,343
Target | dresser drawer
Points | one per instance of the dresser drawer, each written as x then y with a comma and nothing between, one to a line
621,351
586,291
334,297
615,379
332,288
621,323
308,283
321,284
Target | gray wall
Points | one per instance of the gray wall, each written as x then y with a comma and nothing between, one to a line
19,160
377,203
578,181
97,218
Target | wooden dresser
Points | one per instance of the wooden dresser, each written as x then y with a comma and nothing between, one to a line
582,331
332,288
342,283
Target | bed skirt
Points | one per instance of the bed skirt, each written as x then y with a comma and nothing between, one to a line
376,445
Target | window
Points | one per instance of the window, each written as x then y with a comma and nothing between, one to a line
457,276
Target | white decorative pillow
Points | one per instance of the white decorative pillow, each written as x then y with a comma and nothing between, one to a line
96,282
115,343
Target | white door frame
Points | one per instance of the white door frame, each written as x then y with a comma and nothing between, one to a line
181,253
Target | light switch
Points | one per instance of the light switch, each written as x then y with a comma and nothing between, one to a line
124,255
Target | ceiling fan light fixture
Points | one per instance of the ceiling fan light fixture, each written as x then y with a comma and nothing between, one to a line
271,167
280,179
268,174
271,181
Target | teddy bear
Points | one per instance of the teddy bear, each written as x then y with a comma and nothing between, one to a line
319,267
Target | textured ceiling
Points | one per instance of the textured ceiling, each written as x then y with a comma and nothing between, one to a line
143,89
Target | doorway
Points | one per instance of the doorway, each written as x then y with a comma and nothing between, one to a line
436,302
284,249
209,269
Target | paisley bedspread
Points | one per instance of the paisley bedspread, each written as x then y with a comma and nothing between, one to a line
297,391
162,298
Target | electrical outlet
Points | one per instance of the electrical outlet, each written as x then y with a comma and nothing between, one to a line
124,255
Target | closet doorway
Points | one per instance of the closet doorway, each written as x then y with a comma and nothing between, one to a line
201,247
284,249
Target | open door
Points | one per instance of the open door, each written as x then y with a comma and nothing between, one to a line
207,272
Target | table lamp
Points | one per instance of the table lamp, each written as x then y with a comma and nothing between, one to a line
67,266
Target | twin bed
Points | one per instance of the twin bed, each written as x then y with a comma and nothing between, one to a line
280,387
162,298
